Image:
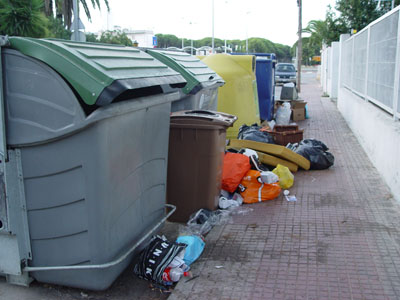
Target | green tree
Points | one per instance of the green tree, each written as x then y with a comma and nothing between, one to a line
321,32
309,51
91,38
357,14
334,27
23,18
318,32
255,45
64,9
283,53
115,37
208,42
168,40
56,29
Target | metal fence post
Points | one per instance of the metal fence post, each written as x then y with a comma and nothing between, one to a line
397,74
342,40
352,64
367,66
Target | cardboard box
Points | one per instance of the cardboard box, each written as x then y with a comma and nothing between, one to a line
298,110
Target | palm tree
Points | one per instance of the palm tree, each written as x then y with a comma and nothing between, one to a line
23,18
64,9
318,32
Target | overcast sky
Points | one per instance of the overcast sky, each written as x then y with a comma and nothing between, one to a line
276,20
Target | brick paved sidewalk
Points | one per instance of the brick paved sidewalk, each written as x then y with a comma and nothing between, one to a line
340,240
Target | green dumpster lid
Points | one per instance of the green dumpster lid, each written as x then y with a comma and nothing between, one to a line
197,74
98,72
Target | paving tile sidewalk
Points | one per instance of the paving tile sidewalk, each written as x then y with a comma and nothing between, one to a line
340,240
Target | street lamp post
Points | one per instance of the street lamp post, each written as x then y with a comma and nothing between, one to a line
299,49
191,40
247,34
212,39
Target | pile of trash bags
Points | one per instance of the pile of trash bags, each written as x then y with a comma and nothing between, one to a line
314,150
244,180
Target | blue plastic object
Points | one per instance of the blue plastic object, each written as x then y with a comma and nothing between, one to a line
307,115
265,87
195,246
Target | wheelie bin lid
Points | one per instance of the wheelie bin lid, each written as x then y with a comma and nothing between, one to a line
202,117
197,74
99,72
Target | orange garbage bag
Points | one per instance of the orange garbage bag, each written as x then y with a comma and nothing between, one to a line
236,165
253,190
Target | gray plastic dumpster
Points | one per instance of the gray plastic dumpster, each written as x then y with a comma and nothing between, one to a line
84,159
201,90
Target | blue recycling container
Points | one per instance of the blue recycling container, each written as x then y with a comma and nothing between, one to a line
265,87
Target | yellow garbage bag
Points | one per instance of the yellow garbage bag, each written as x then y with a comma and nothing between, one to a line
286,178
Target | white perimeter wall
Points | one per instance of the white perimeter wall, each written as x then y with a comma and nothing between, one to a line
378,134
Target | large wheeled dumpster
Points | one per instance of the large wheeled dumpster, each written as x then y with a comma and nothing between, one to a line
84,158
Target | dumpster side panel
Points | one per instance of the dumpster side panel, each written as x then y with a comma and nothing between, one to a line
93,194
39,104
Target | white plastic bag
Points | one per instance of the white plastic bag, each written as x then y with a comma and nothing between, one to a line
268,177
283,114
225,203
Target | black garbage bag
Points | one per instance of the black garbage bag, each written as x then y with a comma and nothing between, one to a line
314,143
155,258
316,152
253,133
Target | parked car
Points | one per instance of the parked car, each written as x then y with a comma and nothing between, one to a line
285,72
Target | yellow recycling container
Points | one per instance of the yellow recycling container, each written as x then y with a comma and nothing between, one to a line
239,94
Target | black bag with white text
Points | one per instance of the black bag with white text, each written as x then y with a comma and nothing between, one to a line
155,258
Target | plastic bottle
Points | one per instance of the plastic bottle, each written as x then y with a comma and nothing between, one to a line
174,274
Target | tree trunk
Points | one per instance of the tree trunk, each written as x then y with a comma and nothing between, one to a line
48,8
67,13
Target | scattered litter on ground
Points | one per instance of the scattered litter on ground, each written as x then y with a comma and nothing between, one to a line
288,197
225,203
202,221
291,198
241,211
219,267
